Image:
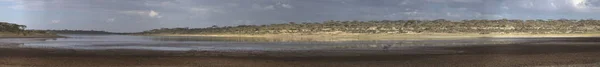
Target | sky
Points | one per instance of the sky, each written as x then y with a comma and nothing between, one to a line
140,15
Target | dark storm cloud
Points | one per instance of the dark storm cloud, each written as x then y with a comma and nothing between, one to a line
137,15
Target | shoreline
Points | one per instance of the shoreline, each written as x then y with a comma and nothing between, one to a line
31,35
36,36
359,37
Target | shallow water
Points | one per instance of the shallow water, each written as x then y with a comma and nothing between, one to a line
179,43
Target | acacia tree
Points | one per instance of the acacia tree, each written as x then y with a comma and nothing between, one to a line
13,28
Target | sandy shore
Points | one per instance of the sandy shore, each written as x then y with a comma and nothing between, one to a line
357,37
468,56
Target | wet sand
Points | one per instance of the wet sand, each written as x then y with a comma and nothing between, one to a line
510,55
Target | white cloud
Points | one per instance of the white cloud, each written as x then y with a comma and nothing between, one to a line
463,1
411,13
452,14
110,20
584,5
579,3
286,6
204,10
151,13
553,5
505,7
269,7
183,6
133,12
55,21
529,5
468,1
404,2
27,4
199,9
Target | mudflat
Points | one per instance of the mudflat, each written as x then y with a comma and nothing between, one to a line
510,55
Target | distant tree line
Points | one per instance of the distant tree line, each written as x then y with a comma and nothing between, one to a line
6,27
79,32
501,26
10,27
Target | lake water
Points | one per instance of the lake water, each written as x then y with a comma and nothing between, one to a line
94,42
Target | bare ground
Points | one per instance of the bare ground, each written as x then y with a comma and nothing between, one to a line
469,56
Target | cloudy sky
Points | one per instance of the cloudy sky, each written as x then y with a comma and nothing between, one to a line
139,15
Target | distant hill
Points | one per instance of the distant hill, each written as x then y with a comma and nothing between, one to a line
502,26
